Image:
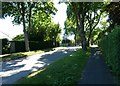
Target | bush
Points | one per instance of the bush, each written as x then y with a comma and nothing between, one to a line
19,46
34,45
5,46
110,46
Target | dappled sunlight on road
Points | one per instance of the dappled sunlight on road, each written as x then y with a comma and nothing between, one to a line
29,64
16,69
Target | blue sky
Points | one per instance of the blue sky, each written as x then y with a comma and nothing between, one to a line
11,30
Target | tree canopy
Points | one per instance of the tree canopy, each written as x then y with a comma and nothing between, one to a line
24,12
114,14
85,16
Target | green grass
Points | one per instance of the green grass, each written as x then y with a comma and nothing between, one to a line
19,55
66,71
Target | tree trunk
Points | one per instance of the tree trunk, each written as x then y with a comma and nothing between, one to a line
24,30
26,41
89,36
77,26
88,41
82,32
29,24
80,13
29,21
83,38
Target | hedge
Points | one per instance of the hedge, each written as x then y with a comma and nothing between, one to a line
5,46
19,46
34,45
110,46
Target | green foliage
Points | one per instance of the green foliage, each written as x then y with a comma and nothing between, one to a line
53,32
45,32
114,13
19,38
43,28
5,46
13,9
23,12
41,35
70,27
64,72
83,18
19,46
34,45
110,46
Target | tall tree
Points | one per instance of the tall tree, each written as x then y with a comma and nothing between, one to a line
80,12
92,18
18,10
42,23
113,10
22,13
71,29
71,24
87,15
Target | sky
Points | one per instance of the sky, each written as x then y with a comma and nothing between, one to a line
8,30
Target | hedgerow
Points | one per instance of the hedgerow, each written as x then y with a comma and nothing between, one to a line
110,47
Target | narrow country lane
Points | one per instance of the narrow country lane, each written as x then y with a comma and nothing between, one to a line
16,69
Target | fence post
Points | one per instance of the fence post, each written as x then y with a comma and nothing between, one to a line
0,46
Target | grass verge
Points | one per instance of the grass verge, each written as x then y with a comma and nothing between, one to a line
66,71
19,55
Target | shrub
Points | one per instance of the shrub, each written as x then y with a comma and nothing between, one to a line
34,45
110,46
5,46
19,46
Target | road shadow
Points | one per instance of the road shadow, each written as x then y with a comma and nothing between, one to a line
14,70
14,78
10,65
49,58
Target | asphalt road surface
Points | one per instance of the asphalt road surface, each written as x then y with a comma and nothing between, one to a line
16,69
96,71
